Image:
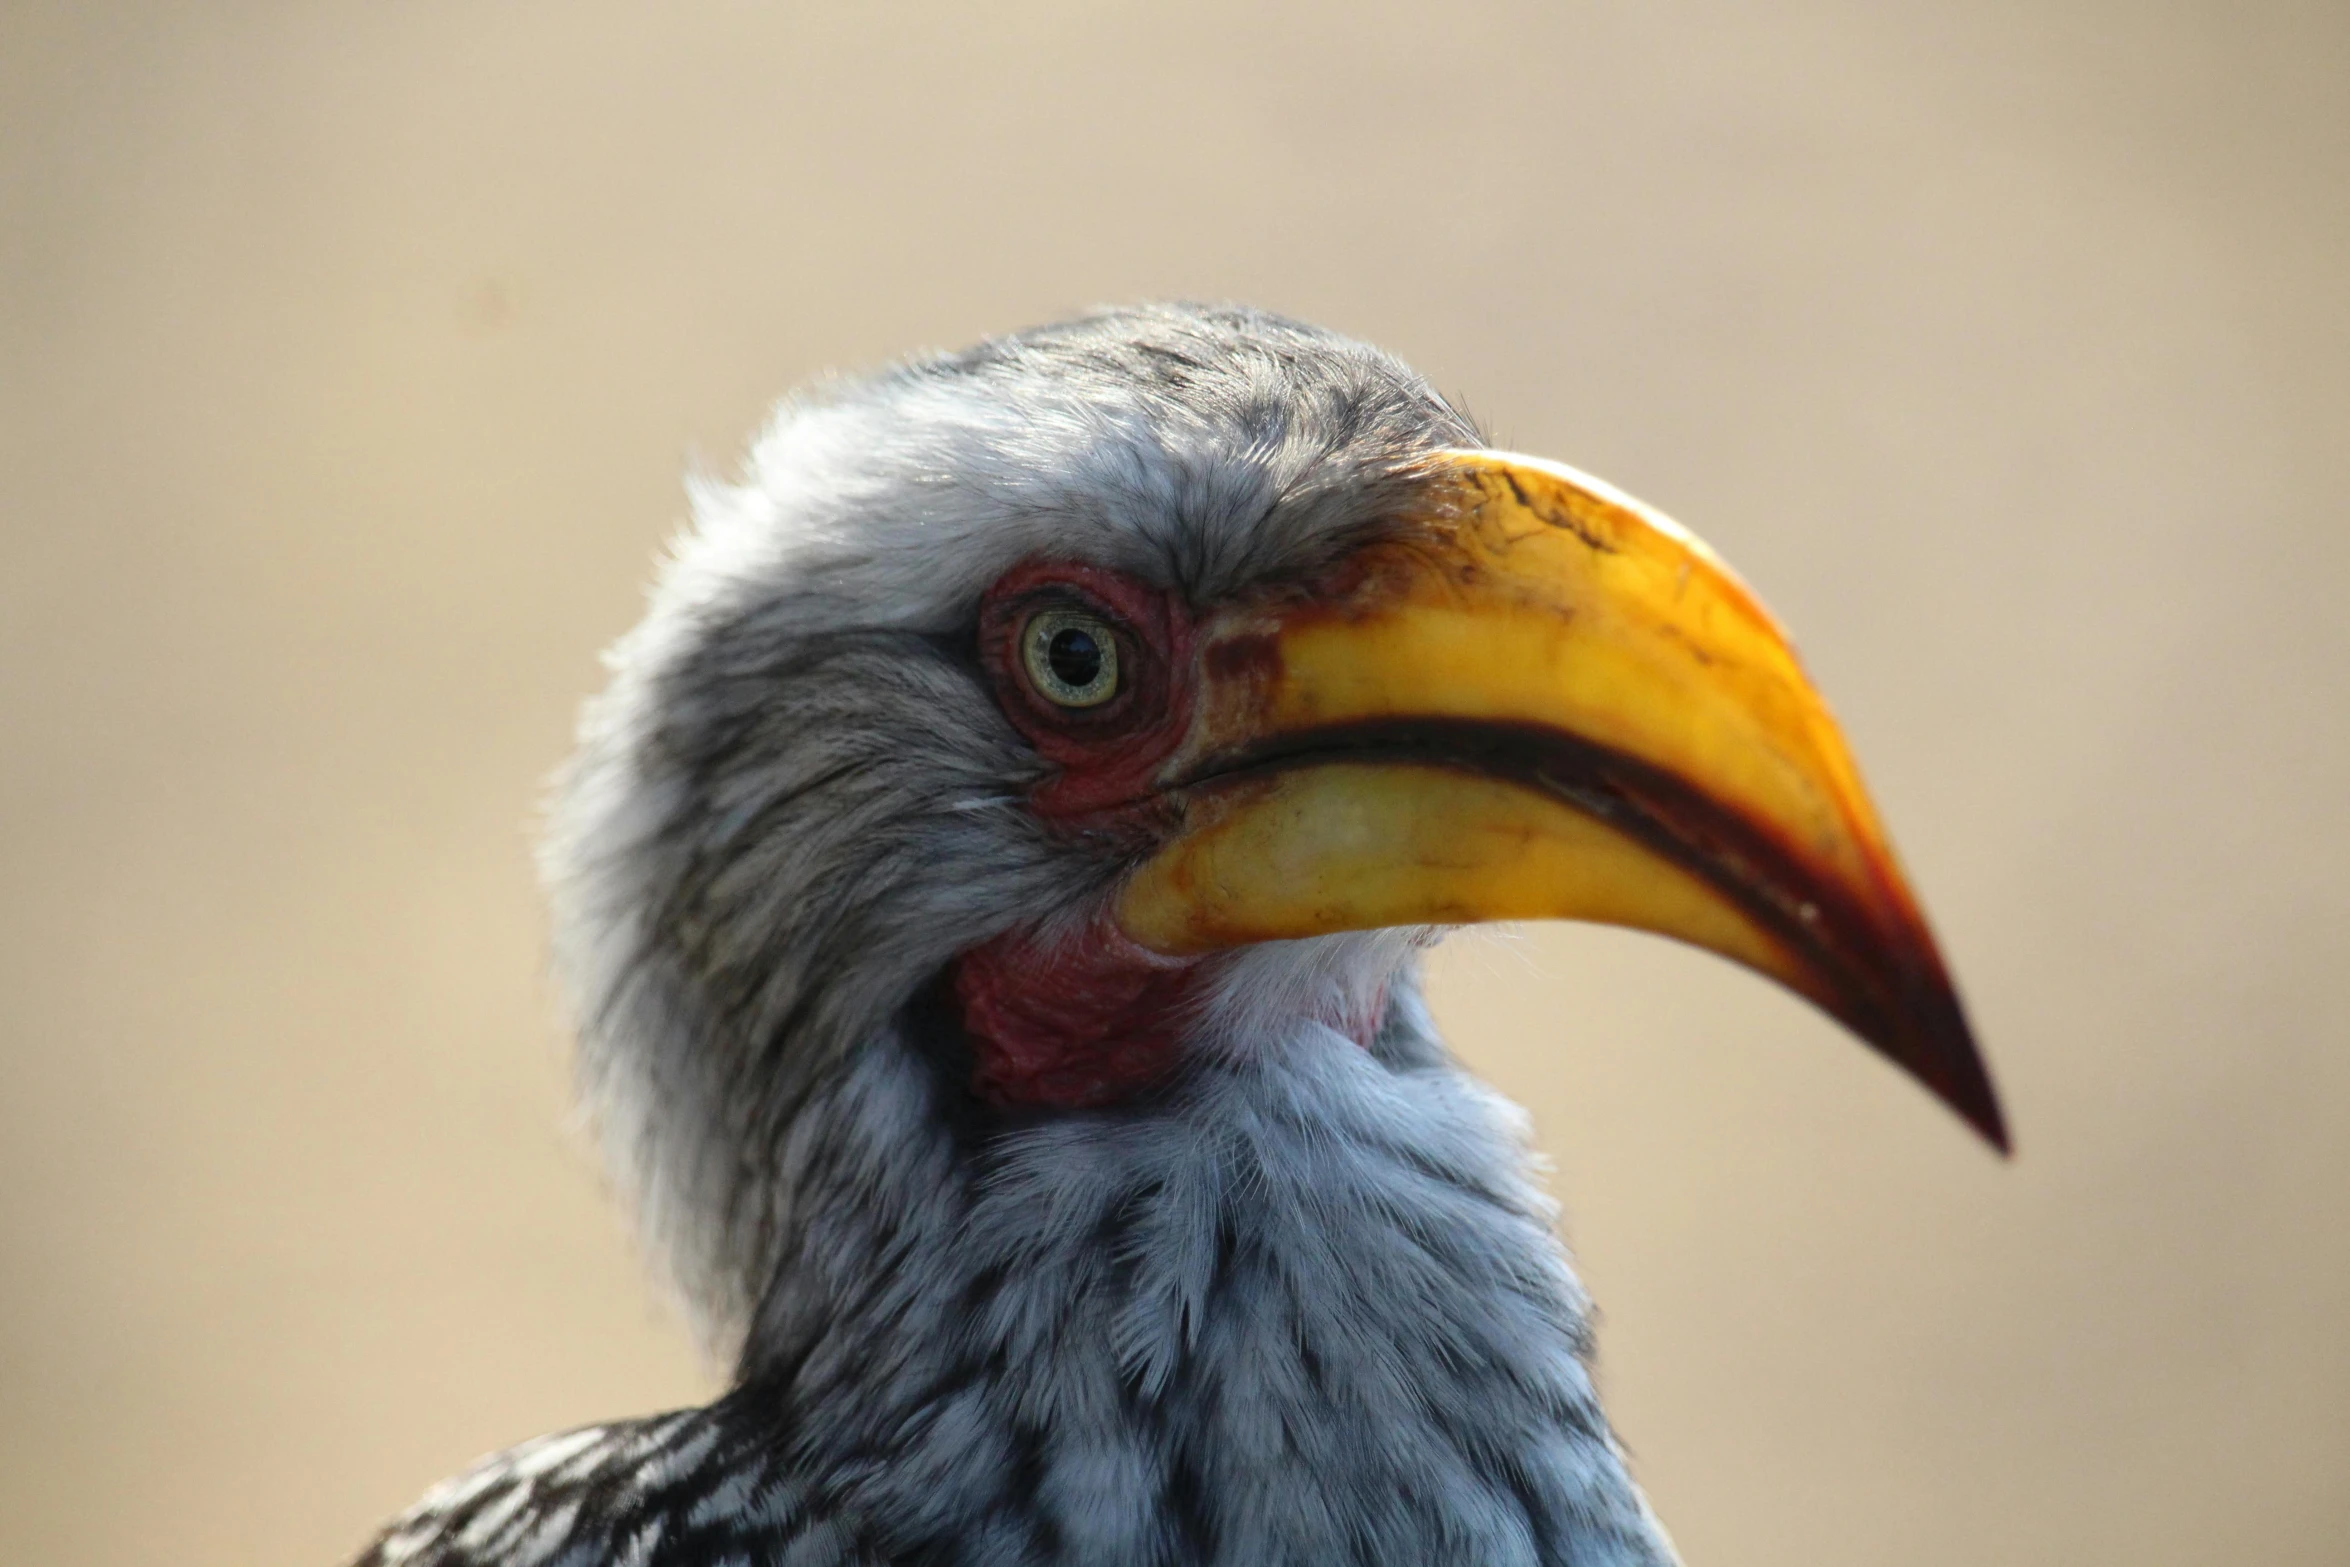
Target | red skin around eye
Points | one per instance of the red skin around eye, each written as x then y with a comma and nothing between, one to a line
1109,755
1092,1019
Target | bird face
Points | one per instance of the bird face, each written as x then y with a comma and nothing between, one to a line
1533,697
1133,686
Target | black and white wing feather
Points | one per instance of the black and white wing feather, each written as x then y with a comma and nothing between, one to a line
690,1489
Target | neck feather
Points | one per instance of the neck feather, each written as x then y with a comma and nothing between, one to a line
1301,1305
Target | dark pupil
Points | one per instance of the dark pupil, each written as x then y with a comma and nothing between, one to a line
1075,656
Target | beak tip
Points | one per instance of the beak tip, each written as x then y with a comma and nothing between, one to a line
1987,1119
1952,1068
1912,1015
1927,1035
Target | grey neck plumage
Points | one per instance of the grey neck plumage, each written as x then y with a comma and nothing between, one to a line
1304,1309
1307,1308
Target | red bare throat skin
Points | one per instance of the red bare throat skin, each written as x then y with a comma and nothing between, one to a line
1075,1024
1092,1020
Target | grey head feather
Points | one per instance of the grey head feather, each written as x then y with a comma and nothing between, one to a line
1306,1306
795,801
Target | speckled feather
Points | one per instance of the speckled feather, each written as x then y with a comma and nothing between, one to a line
1305,1305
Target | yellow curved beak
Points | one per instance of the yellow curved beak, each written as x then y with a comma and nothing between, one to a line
1543,700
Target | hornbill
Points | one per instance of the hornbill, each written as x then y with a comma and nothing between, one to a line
991,890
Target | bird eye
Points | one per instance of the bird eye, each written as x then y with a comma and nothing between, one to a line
1071,658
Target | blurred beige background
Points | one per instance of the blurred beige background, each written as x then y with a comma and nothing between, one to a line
352,355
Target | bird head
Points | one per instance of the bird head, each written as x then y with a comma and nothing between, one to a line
1066,711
